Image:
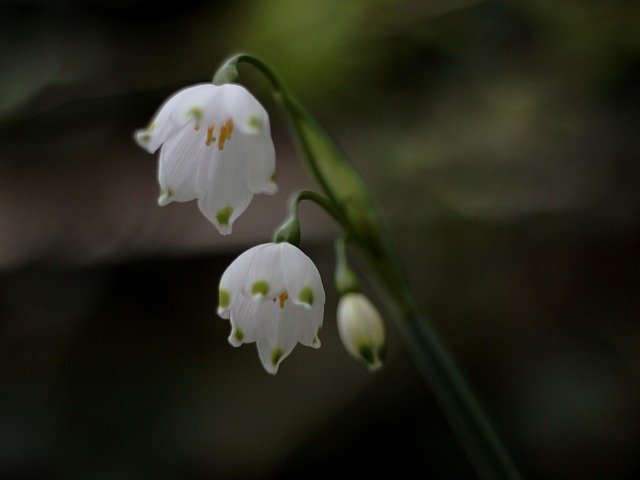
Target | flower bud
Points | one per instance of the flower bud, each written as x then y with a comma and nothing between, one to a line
361,329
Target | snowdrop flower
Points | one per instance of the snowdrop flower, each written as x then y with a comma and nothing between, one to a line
361,329
273,295
216,147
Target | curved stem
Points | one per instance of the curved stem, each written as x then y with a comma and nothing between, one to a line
345,280
289,230
319,200
465,415
228,72
350,205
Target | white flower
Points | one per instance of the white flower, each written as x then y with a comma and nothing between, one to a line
272,294
216,147
361,329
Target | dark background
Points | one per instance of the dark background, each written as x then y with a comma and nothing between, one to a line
501,141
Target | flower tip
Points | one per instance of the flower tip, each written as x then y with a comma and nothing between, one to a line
143,137
377,364
224,229
165,197
236,337
271,188
271,367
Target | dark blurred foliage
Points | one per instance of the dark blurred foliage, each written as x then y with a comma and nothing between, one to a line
502,142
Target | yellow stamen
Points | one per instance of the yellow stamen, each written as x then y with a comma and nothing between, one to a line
225,133
223,137
283,297
209,134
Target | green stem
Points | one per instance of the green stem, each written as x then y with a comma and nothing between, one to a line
465,415
289,230
228,72
319,200
345,280
350,204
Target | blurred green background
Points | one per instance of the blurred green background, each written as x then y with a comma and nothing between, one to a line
502,142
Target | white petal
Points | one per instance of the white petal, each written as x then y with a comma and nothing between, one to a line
287,326
223,211
264,352
233,276
194,108
274,349
228,165
222,187
302,279
232,280
179,165
252,122
238,103
264,277
304,284
261,162
309,326
166,122
248,319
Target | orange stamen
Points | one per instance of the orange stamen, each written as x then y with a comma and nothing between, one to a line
225,133
283,297
210,135
223,137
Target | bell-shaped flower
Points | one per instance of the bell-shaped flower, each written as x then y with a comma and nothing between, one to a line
361,329
273,295
216,147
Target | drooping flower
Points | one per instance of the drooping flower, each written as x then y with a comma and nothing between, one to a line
216,147
273,295
361,329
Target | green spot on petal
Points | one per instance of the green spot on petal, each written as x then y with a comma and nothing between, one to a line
223,299
306,296
238,335
261,287
273,177
366,353
276,355
195,112
170,192
255,123
224,215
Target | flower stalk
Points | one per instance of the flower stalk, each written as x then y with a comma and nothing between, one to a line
349,202
345,279
289,229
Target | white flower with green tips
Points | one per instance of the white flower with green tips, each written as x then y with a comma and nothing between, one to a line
273,295
216,147
361,329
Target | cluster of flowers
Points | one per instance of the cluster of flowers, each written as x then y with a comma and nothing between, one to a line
215,146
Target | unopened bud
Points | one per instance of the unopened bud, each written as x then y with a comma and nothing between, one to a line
361,329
